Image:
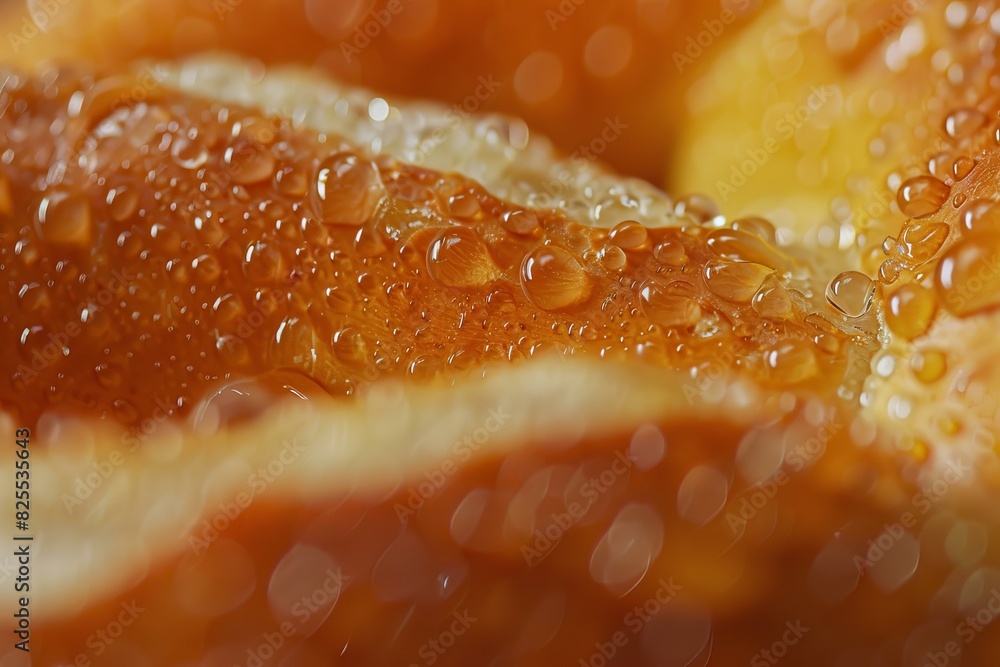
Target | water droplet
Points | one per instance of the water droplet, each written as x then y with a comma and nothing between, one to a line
109,376
888,271
968,276
249,162
189,153
893,567
612,257
553,279
701,209
624,553
369,242
122,203
741,246
702,495
921,196
464,206
759,227
628,235
305,573
520,222
228,308
919,241
263,263
772,300
671,252
339,300
735,281
791,361
964,122
827,343
350,347
929,365
670,305
851,293
207,268
458,257
65,218
963,167
239,401
981,214
911,311
347,190
401,570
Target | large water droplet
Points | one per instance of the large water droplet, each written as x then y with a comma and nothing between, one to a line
65,218
919,241
772,300
851,293
553,279
628,235
910,311
735,281
249,162
458,257
981,215
347,190
964,122
921,196
742,246
791,361
968,275
671,305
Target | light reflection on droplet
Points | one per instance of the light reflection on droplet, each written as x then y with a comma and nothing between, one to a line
647,447
833,575
623,555
702,495
306,578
